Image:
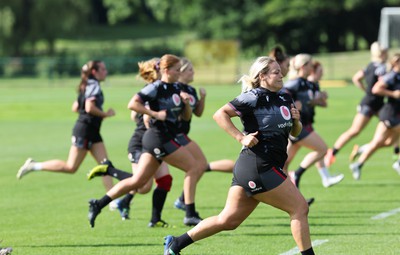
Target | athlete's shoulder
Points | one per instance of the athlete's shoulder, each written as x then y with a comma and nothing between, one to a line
92,88
391,77
92,83
293,84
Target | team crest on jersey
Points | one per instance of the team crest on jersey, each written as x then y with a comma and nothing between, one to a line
285,112
177,99
252,184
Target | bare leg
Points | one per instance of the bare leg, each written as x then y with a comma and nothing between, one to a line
359,123
289,199
223,165
147,166
198,154
382,134
237,208
75,159
314,142
292,150
183,159
99,153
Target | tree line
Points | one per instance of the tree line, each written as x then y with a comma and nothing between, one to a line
301,26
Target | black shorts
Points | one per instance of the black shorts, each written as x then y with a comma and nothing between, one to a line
159,144
182,139
389,116
370,105
255,174
307,129
135,147
134,155
85,135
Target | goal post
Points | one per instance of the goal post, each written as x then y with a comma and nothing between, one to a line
389,32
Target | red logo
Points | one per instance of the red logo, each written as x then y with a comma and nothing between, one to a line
192,101
177,99
285,112
252,184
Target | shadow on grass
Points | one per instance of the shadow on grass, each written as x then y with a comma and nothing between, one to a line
91,245
322,234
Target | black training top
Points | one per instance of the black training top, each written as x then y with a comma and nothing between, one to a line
164,96
302,90
92,92
268,113
185,125
372,73
392,80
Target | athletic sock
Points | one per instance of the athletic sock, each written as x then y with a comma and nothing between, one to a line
362,148
182,197
126,201
104,201
118,174
298,173
159,197
191,210
308,252
181,242
37,166
324,173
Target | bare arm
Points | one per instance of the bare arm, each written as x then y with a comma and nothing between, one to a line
187,110
136,104
223,118
133,115
75,106
146,120
320,99
297,125
358,79
380,88
91,108
198,111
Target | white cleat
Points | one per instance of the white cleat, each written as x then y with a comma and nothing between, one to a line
6,251
332,180
113,205
355,170
396,166
26,168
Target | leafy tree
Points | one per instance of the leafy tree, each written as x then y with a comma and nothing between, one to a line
308,26
32,21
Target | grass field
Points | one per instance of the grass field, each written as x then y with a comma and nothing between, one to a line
46,213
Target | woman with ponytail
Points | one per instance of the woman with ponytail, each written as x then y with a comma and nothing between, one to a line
86,135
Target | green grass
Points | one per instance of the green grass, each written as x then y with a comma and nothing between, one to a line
46,213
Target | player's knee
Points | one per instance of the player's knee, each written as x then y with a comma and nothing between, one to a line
164,182
231,224
228,223
302,210
145,188
323,150
71,169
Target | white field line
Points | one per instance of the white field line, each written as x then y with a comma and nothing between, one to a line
386,214
297,251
